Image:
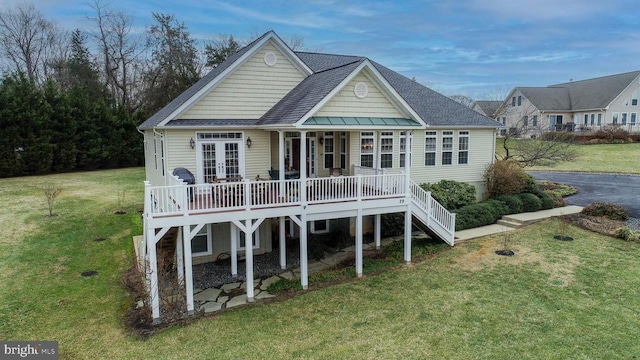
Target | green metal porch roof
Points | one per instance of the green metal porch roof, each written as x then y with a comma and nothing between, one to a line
360,121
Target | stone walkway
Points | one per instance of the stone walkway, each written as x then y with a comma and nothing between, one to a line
234,294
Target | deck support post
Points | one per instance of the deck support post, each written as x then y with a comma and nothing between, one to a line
407,235
188,266
304,274
376,231
153,276
234,250
359,243
283,243
248,254
180,255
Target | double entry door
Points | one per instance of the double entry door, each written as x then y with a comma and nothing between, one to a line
218,159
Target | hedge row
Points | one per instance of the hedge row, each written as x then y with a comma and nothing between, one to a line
490,211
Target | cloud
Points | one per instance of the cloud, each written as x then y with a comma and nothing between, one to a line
534,10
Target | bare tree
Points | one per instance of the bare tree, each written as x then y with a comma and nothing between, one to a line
462,99
26,41
121,54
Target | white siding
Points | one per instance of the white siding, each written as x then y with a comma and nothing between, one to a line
250,91
346,103
153,172
623,104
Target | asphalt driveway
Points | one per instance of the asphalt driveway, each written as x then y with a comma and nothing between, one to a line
618,189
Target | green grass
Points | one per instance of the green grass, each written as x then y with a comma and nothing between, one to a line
601,158
554,299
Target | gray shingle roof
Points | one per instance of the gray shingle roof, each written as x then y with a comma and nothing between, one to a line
597,92
489,107
545,98
213,122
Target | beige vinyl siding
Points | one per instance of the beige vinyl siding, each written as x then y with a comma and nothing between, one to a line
618,106
249,91
221,242
258,158
346,103
153,175
180,152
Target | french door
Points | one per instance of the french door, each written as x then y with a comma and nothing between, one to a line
218,159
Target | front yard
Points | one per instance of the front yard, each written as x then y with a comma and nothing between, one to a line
553,299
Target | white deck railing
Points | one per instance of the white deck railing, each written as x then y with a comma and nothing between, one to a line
435,211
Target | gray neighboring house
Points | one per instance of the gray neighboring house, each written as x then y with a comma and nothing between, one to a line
584,105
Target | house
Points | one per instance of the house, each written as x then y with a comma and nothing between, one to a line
585,105
486,107
286,142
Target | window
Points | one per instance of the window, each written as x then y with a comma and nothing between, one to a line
201,242
430,147
343,150
403,148
504,120
463,147
634,98
447,147
599,119
242,243
162,153
366,149
513,101
633,119
615,118
328,150
525,121
386,149
155,151
534,120
624,118
320,226
555,122
586,119
593,118
519,100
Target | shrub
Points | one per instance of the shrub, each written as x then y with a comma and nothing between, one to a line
558,201
392,224
480,214
512,202
546,202
608,210
452,194
613,134
558,136
505,177
623,233
530,202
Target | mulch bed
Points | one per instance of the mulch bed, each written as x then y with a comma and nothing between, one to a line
597,224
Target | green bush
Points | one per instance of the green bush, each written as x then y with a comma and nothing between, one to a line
530,202
506,177
608,210
451,194
392,224
480,214
512,202
546,201
558,201
623,233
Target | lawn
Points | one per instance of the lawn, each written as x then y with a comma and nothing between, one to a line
604,158
554,299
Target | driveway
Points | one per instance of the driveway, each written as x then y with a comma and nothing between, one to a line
618,189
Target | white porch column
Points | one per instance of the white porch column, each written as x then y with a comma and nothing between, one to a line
376,231
283,243
179,255
304,274
248,254
281,164
359,243
303,168
234,250
407,235
188,266
153,276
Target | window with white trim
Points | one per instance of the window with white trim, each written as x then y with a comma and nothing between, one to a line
320,226
463,147
343,150
447,147
586,119
430,148
366,148
593,119
599,119
525,121
242,240
155,151
624,118
519,100
534,121
201,242
328,149
615,118
634,98
633,118
386,149
403,148
162,153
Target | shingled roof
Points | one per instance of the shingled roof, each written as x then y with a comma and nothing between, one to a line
329,71
489,107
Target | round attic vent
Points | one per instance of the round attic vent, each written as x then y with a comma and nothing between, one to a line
361,90
270,58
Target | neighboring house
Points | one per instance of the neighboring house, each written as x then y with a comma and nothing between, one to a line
585,105
289,143
486,107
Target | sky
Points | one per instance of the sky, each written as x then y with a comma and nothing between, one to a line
476,48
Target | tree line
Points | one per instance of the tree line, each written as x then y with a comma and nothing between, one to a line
71,100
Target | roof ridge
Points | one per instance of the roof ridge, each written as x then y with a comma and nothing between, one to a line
595,78
322,53
341,66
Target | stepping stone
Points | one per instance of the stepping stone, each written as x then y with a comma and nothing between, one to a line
255,283
195,291
287,275
139,304
265,283
222,299
208,295
371,246
351,248
237,301
230,286
211,307
264,295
